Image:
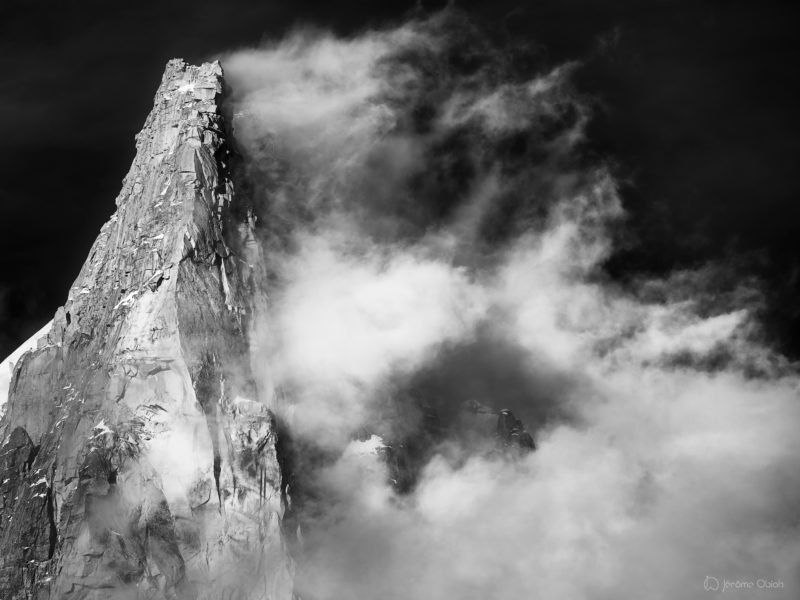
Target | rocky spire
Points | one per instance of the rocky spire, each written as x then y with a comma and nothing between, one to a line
137,459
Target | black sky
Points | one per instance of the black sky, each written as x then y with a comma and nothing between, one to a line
698,107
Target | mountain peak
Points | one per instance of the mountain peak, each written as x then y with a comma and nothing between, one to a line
151,456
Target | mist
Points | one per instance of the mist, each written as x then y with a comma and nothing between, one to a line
436,232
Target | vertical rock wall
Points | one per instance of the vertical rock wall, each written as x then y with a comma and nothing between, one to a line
137,460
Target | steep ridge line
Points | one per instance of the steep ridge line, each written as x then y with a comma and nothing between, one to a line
131,437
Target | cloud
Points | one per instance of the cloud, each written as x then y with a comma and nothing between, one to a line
645,502
347,322
437,234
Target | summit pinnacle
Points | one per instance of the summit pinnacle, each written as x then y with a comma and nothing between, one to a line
137,460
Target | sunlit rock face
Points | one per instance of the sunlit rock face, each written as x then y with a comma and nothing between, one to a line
138,459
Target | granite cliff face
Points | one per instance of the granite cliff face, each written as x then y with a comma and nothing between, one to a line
137,461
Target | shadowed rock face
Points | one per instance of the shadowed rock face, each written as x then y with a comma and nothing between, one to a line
137,460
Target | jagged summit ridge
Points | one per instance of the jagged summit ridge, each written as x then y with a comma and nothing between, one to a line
137,458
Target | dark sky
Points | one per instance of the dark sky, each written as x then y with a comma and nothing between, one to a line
699,110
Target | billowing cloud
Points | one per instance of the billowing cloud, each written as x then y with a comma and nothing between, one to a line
347,323
437,234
